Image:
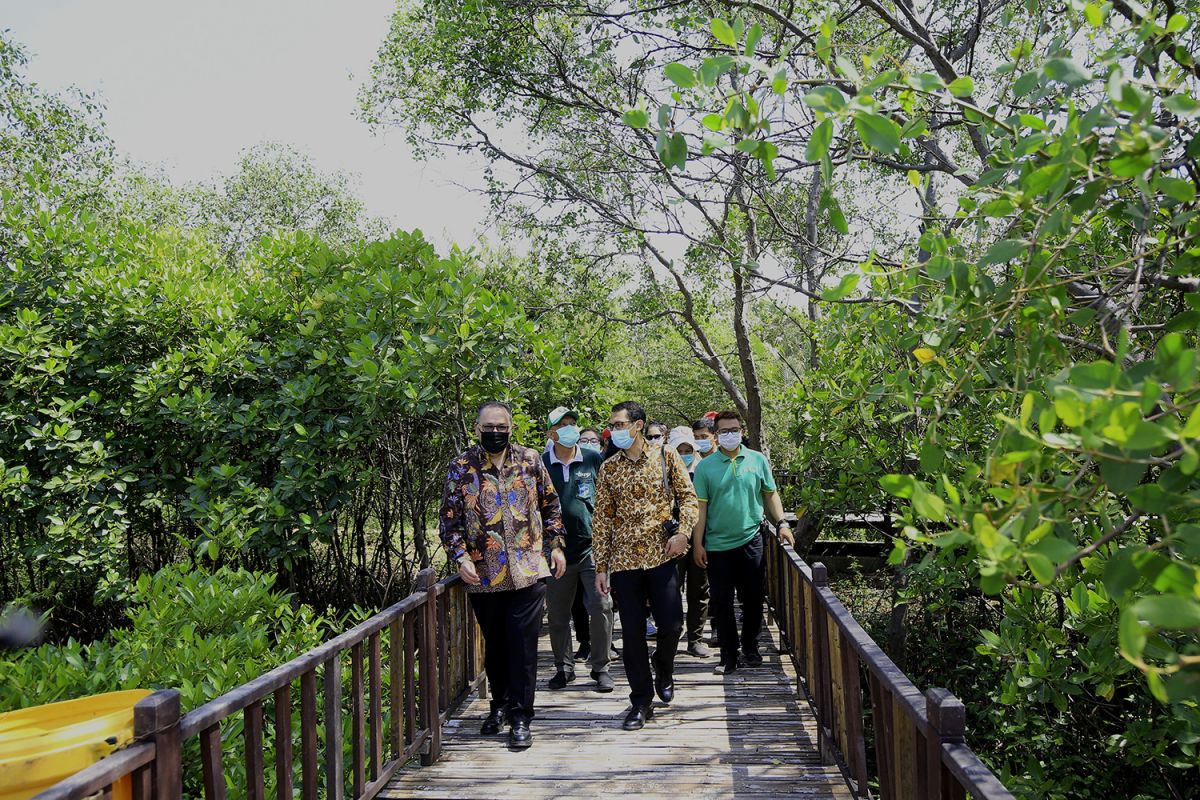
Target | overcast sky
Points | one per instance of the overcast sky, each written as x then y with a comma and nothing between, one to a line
189,85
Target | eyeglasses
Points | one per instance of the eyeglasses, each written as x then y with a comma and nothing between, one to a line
589,441
655,438
729,430
496,428
620,426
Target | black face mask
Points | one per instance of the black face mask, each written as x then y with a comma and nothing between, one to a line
494,441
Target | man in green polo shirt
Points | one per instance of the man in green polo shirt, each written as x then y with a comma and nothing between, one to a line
732,486
573,470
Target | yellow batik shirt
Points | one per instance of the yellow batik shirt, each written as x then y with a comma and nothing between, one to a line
632,504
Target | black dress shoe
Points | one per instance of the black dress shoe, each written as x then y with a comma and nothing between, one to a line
491,725
752,659
636,718
561,679
604,682
519,735
665,689
584,652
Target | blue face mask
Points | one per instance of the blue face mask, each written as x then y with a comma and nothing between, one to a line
622,439
568,435
703,445
688,458
595,448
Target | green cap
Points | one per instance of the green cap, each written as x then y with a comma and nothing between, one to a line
560,412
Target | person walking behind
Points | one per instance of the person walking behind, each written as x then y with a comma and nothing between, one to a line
573,471
501,522
693,580
706,440
732,487
635,542
589,439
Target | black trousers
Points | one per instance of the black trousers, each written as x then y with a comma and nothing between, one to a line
695,579
510,622
579,616
633,589
739,570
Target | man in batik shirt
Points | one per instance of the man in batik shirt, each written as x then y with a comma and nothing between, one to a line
501,523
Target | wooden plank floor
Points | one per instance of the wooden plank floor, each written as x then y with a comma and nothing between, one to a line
745,736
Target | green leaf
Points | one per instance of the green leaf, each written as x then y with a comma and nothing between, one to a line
819,142
1174,612
680,75
1094,14
845,286
838,219
752,38
1130,165
1192,429
928,504
1004,251
723,33
1121,476
713,68
825,98
962,86
877,131
1041,567
1182,105
1130,634
1064,70
931,458
636,118
925,82
1176,189
898,485
1055,549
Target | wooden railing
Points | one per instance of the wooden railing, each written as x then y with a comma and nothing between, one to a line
434,659
918,743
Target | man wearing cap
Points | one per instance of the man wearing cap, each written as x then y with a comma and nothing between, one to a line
693,579
573,470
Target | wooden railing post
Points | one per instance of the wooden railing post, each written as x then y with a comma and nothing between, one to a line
156,719
334,785
430,685
823,697
947,724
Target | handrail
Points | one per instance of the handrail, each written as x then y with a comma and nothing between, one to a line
918,742
434,660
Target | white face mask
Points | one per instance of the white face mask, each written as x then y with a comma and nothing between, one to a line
731,440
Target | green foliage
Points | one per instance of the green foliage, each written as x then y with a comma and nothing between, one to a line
276,188
202,633
199,632
151,402
1020,381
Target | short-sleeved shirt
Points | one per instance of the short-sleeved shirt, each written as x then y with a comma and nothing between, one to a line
733,489
577,496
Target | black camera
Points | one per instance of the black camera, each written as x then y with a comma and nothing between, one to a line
671,527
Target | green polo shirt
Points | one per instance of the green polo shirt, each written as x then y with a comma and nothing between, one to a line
732,488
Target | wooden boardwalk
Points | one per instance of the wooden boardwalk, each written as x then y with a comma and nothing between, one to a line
745,736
